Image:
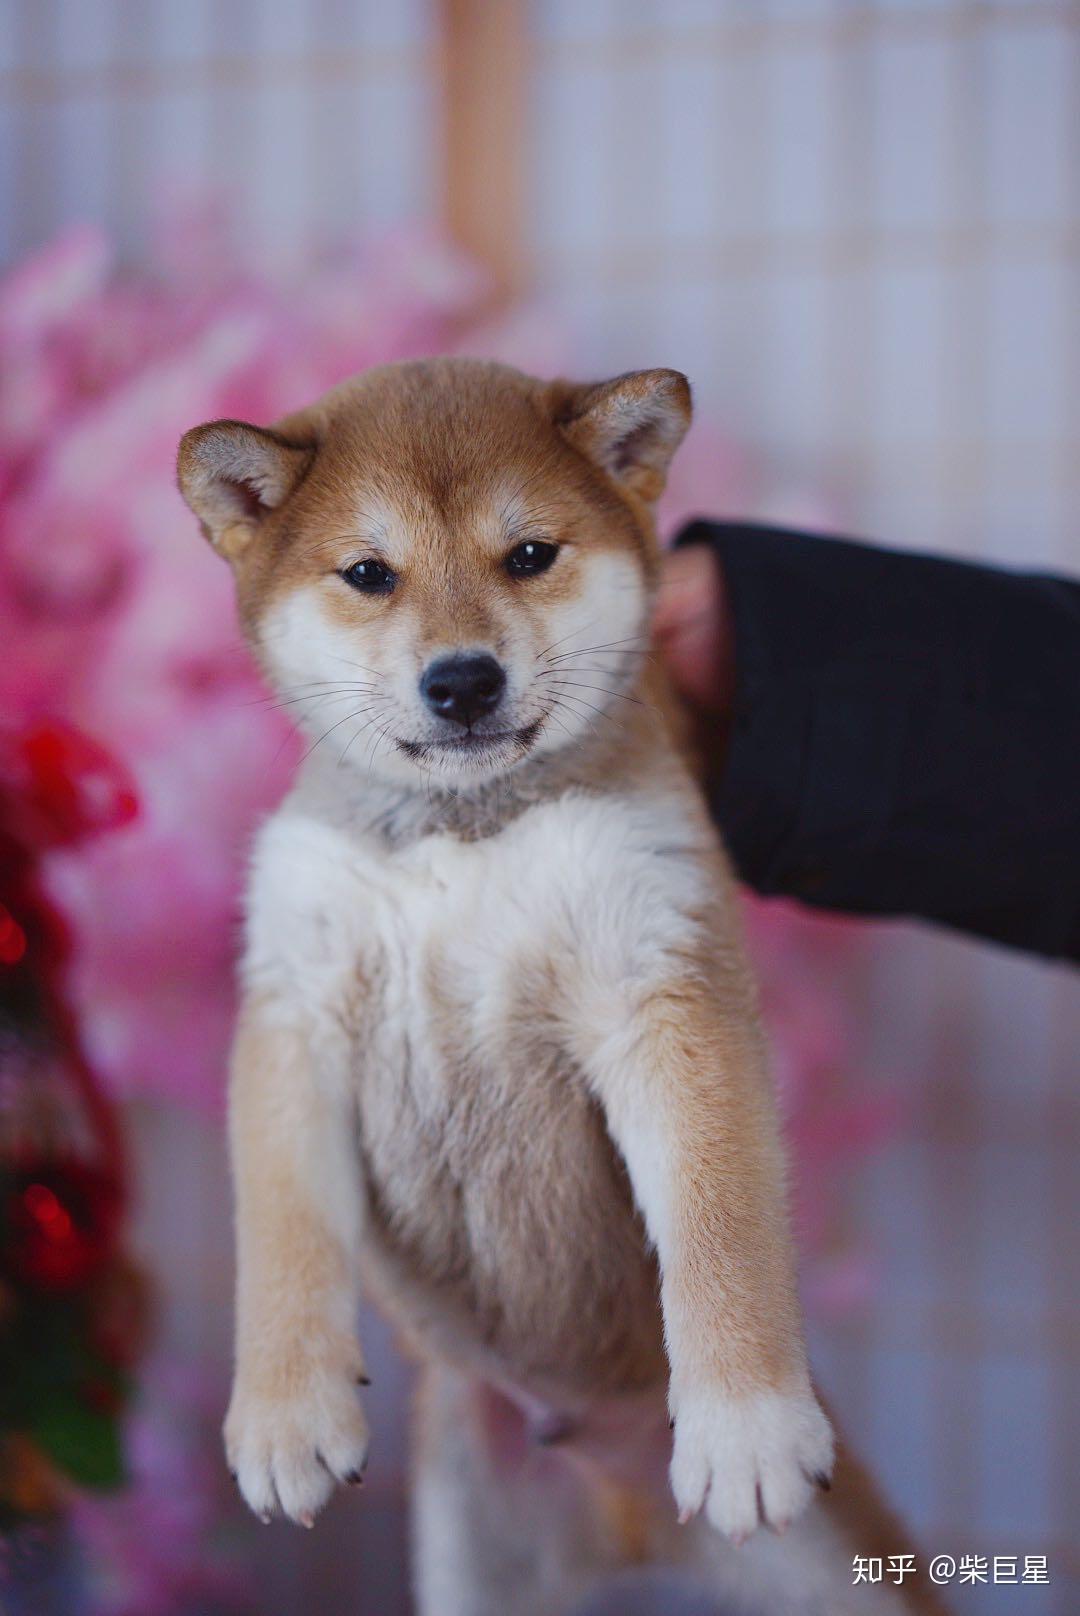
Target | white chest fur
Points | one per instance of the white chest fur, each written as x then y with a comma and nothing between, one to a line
438,982
589,884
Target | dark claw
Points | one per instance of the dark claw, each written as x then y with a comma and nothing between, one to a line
760,1504
235,1477
363,1380
355,1478
823,1481
671,1423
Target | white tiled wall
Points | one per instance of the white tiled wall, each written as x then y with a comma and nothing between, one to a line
314,119
854,225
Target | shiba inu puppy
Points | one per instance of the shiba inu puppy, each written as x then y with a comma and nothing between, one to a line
499,1045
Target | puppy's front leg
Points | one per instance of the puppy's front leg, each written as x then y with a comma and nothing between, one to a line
294,1425
679,1067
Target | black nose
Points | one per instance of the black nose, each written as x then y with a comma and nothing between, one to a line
463,688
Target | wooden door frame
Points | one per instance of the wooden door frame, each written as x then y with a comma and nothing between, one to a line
484,116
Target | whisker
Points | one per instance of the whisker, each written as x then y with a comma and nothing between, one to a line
310,684
361,665
357,714
313,695
601,690
382,734
305,684
315,547
616,657
369,750
593,708
353,738
550,713
318,695
590,723
564,639
591,667
588,650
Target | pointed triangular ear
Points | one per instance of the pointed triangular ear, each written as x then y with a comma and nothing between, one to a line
630,426
233,474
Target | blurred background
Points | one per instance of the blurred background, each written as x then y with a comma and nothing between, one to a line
856,227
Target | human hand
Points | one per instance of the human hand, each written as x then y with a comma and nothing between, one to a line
694,633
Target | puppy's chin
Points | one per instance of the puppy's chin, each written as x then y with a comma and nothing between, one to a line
470,758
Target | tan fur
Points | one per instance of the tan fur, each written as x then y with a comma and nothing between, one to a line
871,1528
500,1041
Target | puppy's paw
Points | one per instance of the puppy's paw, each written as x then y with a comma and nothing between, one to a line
295,1429
754,1460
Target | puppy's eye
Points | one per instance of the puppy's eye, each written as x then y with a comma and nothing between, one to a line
530,557
370,576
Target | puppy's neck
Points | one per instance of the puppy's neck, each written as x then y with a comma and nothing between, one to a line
401,814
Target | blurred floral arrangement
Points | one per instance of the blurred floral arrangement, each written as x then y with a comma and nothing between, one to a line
71,1302
118,625
120,620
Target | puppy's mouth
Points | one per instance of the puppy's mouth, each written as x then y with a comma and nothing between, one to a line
472,743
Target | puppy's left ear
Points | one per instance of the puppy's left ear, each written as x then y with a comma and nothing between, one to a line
630,426
233,475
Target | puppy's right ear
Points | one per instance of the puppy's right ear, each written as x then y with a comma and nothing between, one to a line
233,475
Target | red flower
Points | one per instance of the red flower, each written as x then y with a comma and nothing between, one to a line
57,786
59,1224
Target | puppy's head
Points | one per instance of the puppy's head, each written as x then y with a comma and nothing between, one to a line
445,566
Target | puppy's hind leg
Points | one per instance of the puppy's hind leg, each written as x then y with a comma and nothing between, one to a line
499,1524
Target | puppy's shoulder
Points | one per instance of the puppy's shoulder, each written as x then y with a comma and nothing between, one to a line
308,895
651,836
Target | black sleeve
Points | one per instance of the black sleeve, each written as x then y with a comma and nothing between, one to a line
906,734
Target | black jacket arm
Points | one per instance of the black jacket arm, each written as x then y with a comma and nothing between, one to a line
906,734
